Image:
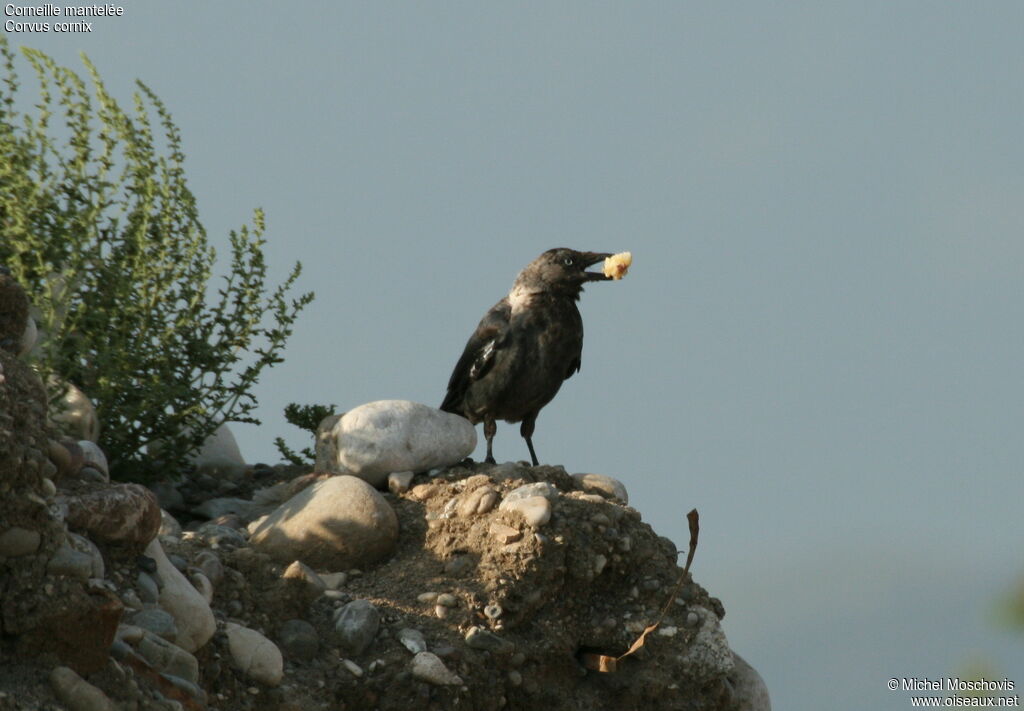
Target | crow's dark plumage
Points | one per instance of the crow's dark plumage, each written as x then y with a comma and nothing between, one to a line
525,346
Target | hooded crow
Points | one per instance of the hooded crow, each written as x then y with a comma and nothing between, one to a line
525,346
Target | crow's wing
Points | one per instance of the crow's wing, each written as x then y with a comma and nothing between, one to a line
479,354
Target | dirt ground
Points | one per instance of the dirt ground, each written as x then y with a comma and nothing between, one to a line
587,581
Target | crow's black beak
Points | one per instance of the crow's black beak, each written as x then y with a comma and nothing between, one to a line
590,259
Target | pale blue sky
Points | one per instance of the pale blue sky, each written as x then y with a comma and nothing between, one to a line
819,345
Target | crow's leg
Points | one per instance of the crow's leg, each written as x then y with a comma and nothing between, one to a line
526,430
490,428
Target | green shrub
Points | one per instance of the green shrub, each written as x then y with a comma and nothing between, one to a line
306,417
98,224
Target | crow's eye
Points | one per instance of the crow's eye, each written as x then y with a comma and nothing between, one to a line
567,261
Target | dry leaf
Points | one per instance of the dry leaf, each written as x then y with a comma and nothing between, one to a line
604,663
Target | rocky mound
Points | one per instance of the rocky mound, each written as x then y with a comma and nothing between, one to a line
476,587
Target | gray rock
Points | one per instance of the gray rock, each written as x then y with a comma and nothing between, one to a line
149,591
78,694
299,639
479,638
338,523
378,438
255,655
412,640
84,545
749,690
168,657
356,625
17,541
708,656
68,562
535,509
156,621
540,488
606,486
428,667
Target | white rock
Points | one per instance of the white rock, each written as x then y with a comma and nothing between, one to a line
386,436
428,667
190,610
73,414
601,484
412,640
336,524
255,655
219,454
535,509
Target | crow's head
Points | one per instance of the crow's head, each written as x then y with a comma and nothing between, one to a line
561,270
